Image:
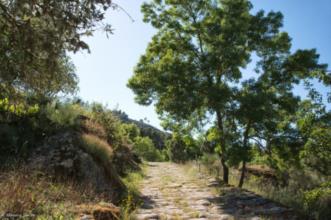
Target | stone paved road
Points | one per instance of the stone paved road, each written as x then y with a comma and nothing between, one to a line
170,191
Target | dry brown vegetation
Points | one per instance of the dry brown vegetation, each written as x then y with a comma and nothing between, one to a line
98,147
27,192
90,126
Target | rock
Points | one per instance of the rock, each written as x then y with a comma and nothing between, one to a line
203,202
63,157
175,185
226,217
68,164
148,216
86,217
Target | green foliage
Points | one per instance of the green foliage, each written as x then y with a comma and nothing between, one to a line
108,121
132,181
19,109
35,38
145,148
129,131
63,115
158,137
19,128
181,148
317,201
176,149
209,159
317,151
193,66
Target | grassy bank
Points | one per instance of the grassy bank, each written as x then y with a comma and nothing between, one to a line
306,193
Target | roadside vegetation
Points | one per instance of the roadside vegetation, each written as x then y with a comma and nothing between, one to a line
61,157
194,72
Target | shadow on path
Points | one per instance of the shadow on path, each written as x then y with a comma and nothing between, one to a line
243,204
171,192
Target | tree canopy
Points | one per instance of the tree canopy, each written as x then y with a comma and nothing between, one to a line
194,66
35,38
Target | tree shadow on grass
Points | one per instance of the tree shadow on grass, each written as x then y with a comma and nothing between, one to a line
243,204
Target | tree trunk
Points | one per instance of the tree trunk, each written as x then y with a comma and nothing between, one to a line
225,171
243,172
223,149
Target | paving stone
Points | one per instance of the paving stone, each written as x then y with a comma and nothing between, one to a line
170,193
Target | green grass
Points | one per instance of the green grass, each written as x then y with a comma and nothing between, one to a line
132,181
292,196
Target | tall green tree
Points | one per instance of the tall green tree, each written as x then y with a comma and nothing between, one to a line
197,55
193,65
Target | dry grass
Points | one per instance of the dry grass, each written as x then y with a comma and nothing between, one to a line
97,147
26,192
90,126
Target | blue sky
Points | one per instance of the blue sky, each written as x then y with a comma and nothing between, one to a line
103,74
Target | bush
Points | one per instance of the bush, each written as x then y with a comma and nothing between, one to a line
317,151
176,149
63,115
108,121
304,193
145,148
129,132
317,202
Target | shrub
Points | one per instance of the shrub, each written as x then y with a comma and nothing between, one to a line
317,151
176,149
318,201
129,132
108,121
63,115
145,148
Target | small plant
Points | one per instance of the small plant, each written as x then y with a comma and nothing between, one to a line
131,201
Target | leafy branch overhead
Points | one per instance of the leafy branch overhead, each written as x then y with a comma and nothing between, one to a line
35,37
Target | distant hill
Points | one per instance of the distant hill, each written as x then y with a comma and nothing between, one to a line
158,137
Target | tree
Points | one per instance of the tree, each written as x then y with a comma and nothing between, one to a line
129,131
145,148
34,40
193,62
314,124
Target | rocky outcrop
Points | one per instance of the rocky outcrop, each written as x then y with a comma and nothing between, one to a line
125,160
62,157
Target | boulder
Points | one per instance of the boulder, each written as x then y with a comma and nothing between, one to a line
62,157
